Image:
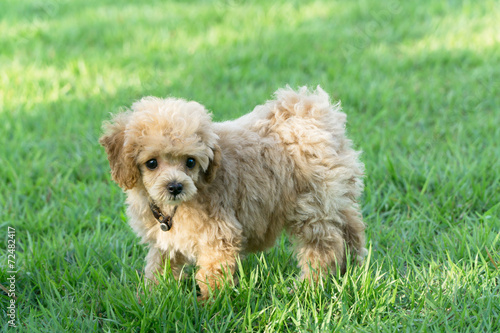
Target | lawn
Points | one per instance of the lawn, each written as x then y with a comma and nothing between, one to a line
419,81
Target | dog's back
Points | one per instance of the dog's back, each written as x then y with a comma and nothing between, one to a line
312,132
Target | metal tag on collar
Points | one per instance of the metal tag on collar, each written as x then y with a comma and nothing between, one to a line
165,225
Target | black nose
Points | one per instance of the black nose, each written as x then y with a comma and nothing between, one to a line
174,188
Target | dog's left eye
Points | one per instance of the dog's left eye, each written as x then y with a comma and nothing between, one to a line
190,163
152,164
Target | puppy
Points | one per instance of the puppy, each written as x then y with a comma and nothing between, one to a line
203,192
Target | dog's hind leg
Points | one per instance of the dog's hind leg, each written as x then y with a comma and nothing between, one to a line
320,249
354,231
322,244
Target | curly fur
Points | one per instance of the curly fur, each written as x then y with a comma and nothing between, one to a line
287,165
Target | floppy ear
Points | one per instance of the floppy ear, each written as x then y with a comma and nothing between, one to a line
121,159
214,165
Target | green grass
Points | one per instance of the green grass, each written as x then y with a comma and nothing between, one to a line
419,81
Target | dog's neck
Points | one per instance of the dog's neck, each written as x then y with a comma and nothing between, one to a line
165,221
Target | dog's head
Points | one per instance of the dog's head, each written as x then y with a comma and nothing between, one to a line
166,146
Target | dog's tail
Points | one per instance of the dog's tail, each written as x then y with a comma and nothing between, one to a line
306,103
307,117
312,130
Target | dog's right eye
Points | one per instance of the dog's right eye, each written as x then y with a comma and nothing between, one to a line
152,164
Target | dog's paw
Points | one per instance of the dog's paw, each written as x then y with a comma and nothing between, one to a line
360,258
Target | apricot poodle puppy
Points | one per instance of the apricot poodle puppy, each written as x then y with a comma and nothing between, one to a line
203,192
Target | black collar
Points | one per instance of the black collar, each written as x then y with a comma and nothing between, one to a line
165,221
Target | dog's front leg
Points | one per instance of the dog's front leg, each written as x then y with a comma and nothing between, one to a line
216,267
155,262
